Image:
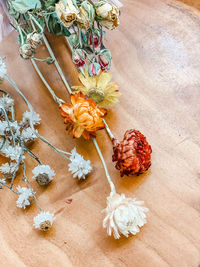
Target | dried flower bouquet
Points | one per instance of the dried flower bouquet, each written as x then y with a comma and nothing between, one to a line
82,23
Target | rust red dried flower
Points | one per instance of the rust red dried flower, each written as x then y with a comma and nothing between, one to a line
133,154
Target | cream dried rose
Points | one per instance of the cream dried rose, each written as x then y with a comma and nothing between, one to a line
67,12
85,17
108,14
123,215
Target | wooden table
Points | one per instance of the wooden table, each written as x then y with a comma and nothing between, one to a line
156,61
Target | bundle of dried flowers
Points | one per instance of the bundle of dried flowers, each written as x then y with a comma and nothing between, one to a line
82,116
15,140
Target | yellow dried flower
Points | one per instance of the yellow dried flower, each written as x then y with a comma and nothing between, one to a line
99,88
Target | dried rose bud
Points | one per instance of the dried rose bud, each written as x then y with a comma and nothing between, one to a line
133,154
34,39
79,57
94,69
26,51
105,59
96,38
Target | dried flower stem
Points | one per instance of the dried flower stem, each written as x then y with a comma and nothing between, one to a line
17,193
59,151
112,187
29,184
56,99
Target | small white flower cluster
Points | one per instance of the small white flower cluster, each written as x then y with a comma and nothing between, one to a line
14,152
78,166
28,135
124,215
43,174
7,102
34,117
9,169
25,197
43,221
7,129
3,70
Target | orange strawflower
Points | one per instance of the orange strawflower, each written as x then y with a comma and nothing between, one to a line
82,116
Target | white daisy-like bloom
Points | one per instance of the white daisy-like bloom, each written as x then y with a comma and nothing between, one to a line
78,166
5,129
28,135
3,70
8,169
34,117
25,197
43,221
7,102
123,215
14,153
43,174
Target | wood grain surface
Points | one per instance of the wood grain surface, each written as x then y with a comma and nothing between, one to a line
156,62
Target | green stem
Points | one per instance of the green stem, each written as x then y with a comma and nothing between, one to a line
56,99
29,185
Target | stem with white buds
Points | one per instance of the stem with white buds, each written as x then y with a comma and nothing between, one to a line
60,152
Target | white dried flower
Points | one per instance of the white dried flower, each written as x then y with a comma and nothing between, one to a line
34,39
5,129
43,174
66,12
8,169
25,197
123,215
14,153
34,117
43,221
3,70
26,51
78,166
28,135
7,102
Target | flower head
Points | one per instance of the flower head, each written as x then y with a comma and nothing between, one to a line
108,14
34,39
28,136
86,14
43,174
67,12
25,197
123,215
79,57
43,221
94,69
82,116
9,169
133,154
26,51
9,129
34,117
105,59
14,153
7,102
3,70
78,166
99,88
